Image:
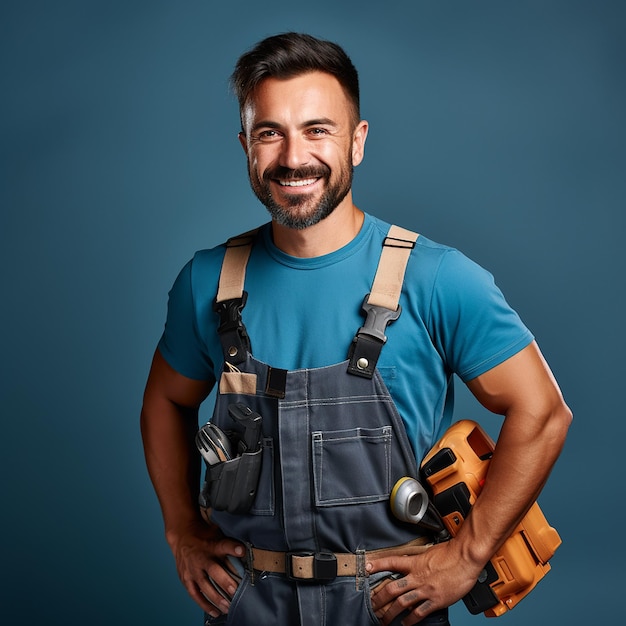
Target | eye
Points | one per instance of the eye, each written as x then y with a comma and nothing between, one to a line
267,136
317,132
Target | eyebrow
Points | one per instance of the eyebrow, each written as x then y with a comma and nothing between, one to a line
322,121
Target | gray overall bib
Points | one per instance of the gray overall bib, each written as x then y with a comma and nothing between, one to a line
333,446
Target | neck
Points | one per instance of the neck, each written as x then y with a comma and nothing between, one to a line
332,233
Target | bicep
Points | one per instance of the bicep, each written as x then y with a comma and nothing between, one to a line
522,383
165,384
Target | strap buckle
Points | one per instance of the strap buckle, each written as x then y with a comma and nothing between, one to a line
230,313
324,567
232,332
377,319
370,338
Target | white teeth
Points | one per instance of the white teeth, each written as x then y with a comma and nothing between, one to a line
297,183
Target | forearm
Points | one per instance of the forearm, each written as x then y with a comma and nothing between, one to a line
526,451
174,467
169,422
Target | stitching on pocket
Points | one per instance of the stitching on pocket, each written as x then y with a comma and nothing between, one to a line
338,480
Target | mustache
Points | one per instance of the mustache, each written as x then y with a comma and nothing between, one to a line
286,173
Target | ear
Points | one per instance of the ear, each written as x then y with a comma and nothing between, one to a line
358,142
243,141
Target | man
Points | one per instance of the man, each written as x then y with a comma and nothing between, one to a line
348,406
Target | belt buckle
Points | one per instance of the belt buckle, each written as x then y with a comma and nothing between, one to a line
324,567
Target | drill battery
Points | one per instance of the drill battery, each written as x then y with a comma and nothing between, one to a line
456,469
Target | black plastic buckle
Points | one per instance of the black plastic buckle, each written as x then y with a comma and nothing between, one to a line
324,567
230,313
232,332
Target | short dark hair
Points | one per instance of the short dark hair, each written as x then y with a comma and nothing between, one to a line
288,55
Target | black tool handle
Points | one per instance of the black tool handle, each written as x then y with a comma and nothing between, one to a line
251,421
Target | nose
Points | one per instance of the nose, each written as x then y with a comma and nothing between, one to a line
294,152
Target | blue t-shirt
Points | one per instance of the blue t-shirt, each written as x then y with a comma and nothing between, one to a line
304,313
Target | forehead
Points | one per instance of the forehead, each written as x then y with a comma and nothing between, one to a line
310,96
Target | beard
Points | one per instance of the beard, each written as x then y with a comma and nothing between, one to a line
300,211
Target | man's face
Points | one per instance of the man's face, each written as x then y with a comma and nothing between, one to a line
302,143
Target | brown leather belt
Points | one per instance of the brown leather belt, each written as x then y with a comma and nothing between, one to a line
325,566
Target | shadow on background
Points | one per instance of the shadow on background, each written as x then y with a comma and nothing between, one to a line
496,127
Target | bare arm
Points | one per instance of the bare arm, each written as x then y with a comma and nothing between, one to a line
169,421
530,441
532,436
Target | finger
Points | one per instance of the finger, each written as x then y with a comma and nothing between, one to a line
381,610
382,596
224,577
228,596
219,574
418,613
389,564
229,547
389,592
204,602
400,607
211,586
215,594
379,585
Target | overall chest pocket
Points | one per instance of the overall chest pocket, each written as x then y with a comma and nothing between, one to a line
352,466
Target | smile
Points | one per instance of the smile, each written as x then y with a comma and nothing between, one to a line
297,183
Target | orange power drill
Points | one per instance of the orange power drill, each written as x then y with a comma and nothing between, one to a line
455,469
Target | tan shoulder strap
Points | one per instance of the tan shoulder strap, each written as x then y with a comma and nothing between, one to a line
233,272
381,305
384,296
231,298
391,267
387,281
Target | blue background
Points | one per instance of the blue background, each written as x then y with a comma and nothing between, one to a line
496,126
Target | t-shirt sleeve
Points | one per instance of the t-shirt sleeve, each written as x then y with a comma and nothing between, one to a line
475,328
181,344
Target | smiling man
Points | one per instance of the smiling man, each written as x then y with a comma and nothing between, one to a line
349,398
300,164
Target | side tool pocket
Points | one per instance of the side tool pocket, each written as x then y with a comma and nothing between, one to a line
233,461
231,485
